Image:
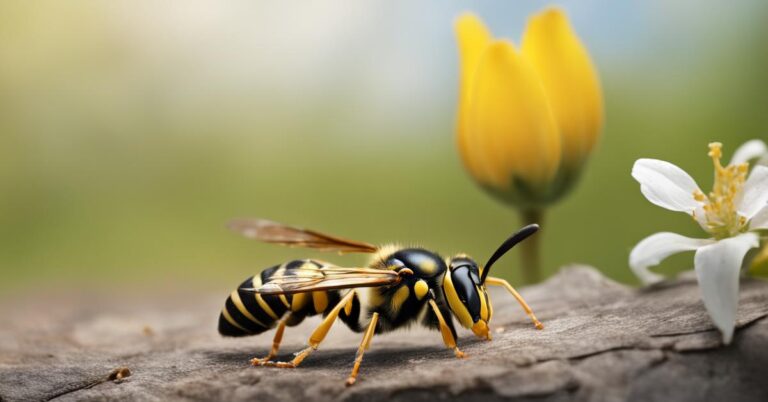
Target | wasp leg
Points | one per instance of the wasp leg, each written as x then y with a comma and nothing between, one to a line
448,338
501,282
317,336
364,345
275,346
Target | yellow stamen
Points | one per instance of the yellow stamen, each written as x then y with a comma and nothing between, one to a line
721,218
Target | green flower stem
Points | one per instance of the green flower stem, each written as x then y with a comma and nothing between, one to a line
530,255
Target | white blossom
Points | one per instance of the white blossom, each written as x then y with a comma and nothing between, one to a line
736,207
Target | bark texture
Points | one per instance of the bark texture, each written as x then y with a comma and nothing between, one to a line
602,342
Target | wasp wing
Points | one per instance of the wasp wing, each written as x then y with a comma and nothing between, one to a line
328,278
278,233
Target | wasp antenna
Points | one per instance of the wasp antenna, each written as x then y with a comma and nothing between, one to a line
519,236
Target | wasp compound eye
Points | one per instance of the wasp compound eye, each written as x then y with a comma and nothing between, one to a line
466,290
462,261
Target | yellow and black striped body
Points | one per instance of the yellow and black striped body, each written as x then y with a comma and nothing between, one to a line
400,286
248,313
406,303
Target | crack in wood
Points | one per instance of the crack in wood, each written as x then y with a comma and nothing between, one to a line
72,390
116,376
744,325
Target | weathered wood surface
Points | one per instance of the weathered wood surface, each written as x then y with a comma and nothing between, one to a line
602,342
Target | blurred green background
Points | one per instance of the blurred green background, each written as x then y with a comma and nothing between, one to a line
130,132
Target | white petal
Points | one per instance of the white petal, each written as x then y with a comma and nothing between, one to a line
749,150
755,194
760,220
655,248
665,184
700,215
717,268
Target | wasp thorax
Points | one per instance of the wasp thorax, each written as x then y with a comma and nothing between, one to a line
424,263
466,295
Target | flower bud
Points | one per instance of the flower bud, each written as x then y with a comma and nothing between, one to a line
529,119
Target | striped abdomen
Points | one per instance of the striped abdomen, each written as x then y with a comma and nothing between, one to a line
247,313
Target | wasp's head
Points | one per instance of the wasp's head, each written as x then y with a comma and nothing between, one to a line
466,295
464,285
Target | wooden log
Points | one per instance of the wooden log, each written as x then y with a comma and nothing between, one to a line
602,342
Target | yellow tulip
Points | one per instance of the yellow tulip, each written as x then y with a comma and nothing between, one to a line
528,119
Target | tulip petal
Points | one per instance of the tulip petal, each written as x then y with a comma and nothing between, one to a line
755,194
655,248
760,220
748,151
666,185
510,121
717,268
569,79
473,38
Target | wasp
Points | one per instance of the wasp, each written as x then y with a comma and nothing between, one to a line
404,286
